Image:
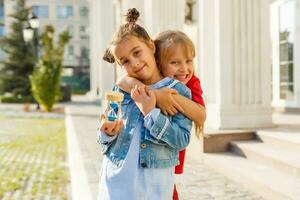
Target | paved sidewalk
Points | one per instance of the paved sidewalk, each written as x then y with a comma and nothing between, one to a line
198,182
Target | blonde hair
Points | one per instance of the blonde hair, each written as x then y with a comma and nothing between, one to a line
165,43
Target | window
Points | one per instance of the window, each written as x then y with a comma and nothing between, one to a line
64,12
286,49
71,50
71,30
84,53
84,11
40,11
83,32
68,72
1,30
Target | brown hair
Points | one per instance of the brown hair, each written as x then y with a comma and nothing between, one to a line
130,28
165,44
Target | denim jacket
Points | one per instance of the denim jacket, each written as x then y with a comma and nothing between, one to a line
160,143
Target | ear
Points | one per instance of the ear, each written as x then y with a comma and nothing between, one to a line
152,46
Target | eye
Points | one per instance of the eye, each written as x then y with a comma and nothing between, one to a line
189,61
137,53
125,62
173,62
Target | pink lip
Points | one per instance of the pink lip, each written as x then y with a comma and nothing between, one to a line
139,69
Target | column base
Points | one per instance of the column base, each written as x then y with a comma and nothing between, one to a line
239,117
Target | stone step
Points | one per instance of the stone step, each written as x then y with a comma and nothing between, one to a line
285,160
265,181
281,137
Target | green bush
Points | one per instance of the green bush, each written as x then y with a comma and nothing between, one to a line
45,84
45,79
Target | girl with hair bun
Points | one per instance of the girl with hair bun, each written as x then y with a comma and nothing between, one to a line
140,150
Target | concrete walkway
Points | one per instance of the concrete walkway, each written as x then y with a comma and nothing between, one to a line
198,182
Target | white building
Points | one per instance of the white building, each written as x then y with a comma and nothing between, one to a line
72,15
247,51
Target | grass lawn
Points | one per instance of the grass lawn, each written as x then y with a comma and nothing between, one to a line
33,159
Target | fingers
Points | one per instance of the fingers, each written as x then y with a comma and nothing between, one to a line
172,111
150,93
135,92
140,92
169,90
118,127
173,91
101,116
178,107
110,128
165,112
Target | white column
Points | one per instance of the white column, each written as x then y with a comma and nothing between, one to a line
297,52
235,62
163,15
102,28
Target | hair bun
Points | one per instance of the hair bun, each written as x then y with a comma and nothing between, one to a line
132,15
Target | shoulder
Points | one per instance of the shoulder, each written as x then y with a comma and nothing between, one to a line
194,84
194,80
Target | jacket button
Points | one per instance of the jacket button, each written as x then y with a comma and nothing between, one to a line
143,146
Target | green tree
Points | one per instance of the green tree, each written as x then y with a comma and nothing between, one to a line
19,60
45,80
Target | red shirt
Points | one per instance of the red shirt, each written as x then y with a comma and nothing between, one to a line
194,85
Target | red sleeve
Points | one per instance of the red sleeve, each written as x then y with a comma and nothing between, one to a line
196,90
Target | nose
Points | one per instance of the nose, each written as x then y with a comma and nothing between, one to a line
183,68
136,63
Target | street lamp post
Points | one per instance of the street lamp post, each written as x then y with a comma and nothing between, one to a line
30,33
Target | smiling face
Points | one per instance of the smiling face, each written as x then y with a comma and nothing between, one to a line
137,57
179,64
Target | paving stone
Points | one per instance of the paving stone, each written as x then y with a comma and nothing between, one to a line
198,182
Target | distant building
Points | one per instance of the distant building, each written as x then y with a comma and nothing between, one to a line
71,15
246,52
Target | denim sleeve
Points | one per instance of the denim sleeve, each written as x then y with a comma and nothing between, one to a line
104,140
151,117
173,131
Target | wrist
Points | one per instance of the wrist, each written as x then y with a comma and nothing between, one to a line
147,110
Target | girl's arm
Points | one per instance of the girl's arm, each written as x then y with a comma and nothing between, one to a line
168,100
171,103
192,110
172,131
127,83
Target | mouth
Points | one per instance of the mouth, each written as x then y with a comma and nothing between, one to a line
140,69
181,77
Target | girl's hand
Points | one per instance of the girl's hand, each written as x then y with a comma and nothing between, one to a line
144,99
110,128
166,101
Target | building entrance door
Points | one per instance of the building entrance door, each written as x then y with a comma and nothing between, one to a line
285,33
